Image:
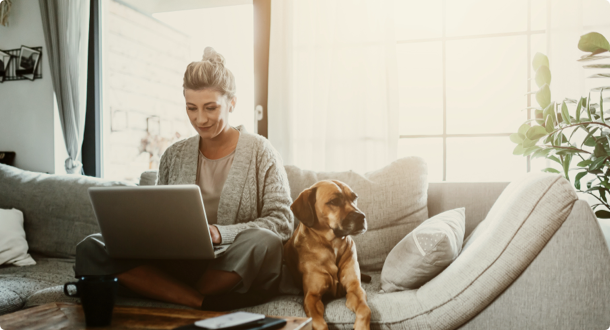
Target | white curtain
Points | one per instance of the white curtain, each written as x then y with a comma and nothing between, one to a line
333,102
66,29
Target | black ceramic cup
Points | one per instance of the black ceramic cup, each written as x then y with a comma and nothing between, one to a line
97,295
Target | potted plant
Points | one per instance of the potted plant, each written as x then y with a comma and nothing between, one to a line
573,133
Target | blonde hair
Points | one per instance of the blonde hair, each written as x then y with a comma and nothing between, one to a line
210,72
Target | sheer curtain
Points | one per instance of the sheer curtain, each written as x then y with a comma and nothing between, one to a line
66,30
333,102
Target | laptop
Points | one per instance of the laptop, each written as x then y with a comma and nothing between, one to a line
154,222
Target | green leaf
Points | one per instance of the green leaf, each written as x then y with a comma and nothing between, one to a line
589,137
543,76
601,106
530,150
579,109
599,151
523,129
555,159
602,194
584,163
550,170
589,107
536,132
540,60
543,96
541,153
549,124
593,42
598,163
602,214
565,113
519,150
597,66
577,179
528,143
600,75
516,138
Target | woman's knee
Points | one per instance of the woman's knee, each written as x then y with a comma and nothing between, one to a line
89,243
262,237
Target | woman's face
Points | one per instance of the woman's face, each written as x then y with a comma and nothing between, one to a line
208,111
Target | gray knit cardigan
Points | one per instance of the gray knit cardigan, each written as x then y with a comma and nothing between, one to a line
255,194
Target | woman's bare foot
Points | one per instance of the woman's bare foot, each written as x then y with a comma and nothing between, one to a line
153,283
216,282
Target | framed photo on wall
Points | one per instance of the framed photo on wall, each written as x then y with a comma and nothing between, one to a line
5,60
28,62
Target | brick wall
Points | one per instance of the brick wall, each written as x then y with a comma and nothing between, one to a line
143,62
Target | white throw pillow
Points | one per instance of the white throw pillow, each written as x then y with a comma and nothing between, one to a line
13,246
424,252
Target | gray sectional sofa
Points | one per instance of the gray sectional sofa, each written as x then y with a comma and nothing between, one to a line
536,259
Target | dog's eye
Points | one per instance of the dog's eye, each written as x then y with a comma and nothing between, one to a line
334,202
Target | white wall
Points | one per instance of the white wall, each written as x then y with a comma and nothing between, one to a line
28,125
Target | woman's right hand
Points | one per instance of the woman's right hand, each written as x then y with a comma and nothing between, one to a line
216,239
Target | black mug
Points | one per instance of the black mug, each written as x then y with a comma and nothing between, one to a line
97,295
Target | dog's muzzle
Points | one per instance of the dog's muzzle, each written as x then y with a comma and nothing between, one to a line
353,224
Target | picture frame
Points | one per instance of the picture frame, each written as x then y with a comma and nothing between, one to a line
28,62
5,61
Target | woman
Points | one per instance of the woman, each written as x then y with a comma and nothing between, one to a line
246,197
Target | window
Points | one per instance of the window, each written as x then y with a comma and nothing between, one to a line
464,78
146,48
463,81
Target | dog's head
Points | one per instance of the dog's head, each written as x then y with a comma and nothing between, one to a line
330,205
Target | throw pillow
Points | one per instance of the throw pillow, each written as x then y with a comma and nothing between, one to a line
13,246
425,252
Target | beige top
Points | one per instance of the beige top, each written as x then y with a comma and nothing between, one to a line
211,177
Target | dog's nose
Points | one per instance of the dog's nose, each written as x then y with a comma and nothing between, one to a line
356,220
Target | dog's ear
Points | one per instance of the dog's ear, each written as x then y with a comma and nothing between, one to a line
304,207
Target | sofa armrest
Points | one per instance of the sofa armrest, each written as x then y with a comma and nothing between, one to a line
567,285
476,197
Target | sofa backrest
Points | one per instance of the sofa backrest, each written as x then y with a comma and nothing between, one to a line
56,208
476,197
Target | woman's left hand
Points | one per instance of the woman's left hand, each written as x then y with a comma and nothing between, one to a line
216,239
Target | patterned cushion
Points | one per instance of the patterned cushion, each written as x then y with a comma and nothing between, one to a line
425,252
18,283
393,198
57,210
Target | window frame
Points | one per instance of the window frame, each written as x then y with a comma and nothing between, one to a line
443,39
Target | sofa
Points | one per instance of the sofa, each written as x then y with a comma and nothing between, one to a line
535,259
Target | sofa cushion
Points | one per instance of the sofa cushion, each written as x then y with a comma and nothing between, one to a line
523,219
13,245
57,210
17,284
424,252
393,198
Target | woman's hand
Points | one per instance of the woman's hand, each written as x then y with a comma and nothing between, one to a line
216,239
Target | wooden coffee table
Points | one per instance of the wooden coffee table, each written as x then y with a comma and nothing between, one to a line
70,316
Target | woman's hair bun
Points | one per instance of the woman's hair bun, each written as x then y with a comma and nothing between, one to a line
209,54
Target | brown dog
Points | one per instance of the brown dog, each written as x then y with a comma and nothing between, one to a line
321,255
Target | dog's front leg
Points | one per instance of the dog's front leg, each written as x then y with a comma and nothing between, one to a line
356,297
314,287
